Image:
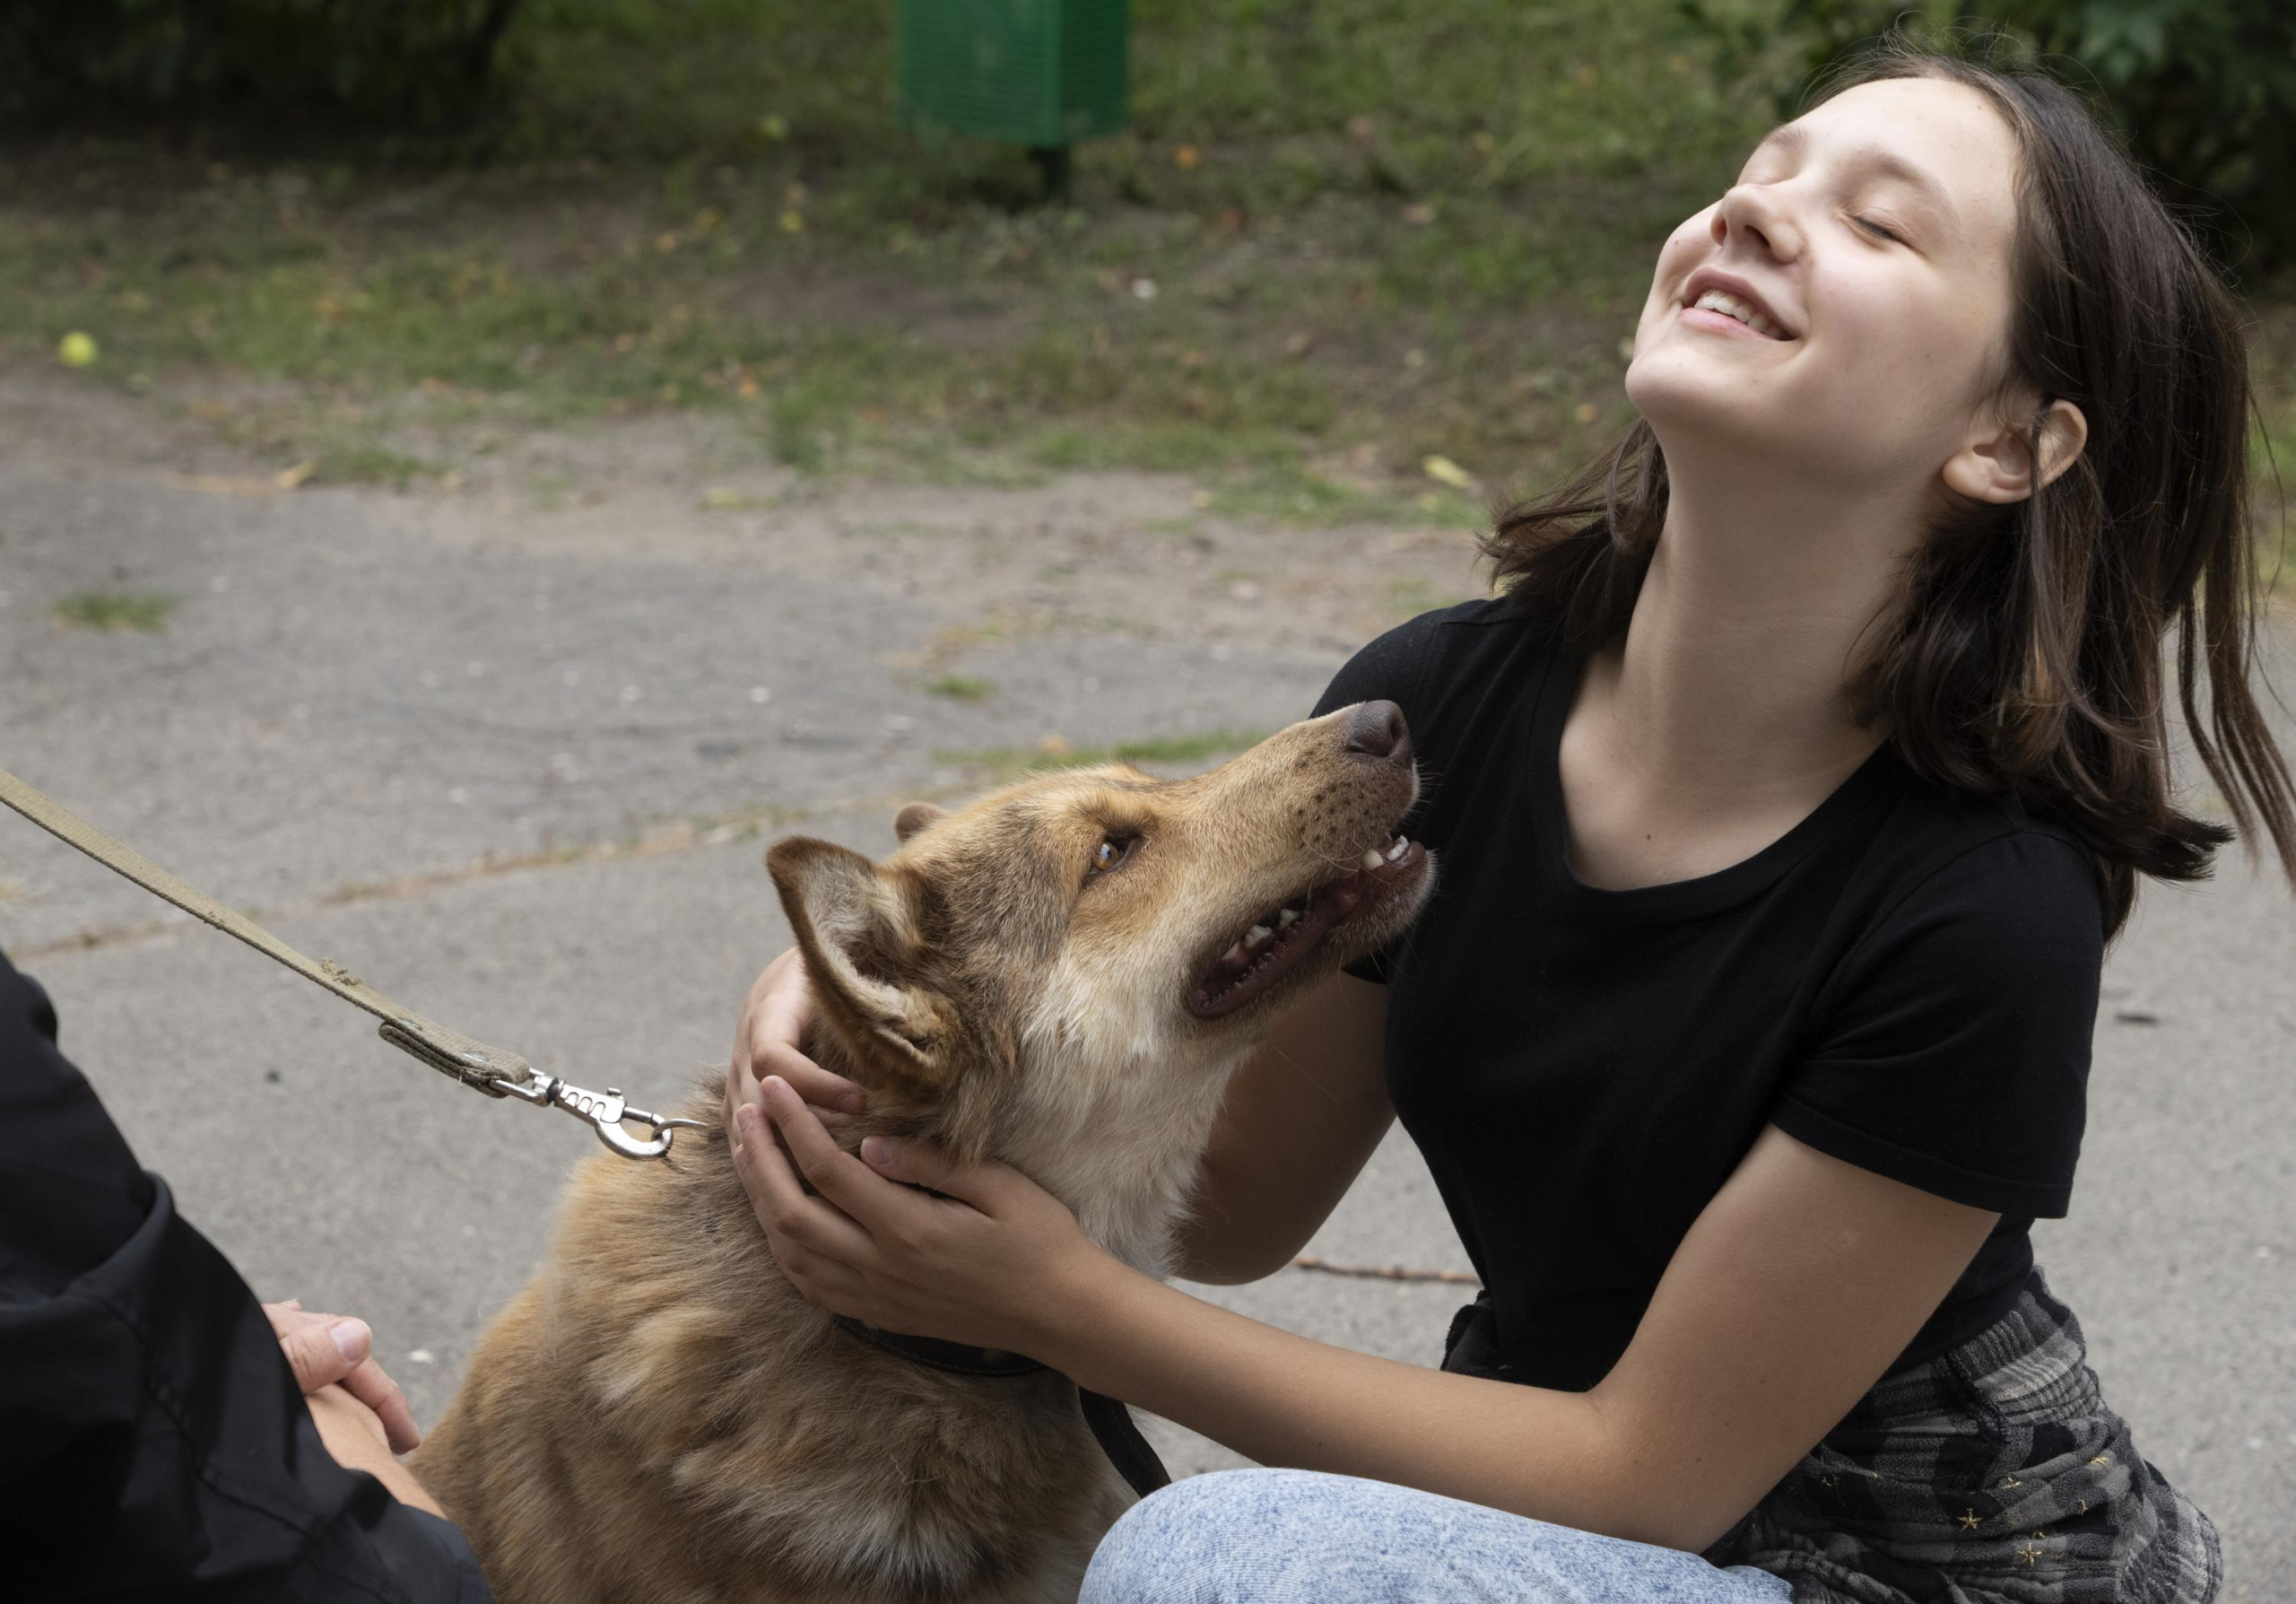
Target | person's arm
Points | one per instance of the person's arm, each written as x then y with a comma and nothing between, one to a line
1793,1291
1299,1119
361,1415
154,1430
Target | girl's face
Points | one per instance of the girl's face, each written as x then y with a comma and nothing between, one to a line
1870,242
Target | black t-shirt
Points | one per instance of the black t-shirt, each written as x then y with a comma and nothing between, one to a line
1907,980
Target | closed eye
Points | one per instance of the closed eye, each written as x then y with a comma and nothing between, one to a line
1871,226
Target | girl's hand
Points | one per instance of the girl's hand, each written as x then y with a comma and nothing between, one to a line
982,1264
770,1041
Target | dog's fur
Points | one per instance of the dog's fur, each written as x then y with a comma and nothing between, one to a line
660,1415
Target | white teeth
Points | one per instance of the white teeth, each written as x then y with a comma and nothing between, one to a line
1372,859
1398,850
1730,306
1234,955
1257,936
1287,919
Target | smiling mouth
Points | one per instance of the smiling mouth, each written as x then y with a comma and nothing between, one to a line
1279,939
1726,313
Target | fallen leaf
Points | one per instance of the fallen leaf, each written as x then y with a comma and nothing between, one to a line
288,478
1186,157
1444,471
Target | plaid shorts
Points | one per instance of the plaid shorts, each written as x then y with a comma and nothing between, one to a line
1992,1474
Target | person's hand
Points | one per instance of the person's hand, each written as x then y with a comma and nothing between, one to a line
356,1440
984,1263
769,1040
330,1349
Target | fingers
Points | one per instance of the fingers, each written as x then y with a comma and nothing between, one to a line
371,1386
804,1231
769,1041
320,1348
836,1174
985,1186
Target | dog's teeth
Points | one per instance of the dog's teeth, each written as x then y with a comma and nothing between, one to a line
1256,934
1372,859
1286,920
1398,850
1234,955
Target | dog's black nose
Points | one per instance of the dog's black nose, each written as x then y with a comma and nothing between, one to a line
1376,731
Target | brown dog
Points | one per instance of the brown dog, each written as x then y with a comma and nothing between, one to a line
1062,976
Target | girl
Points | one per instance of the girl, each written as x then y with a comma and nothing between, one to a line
1785,801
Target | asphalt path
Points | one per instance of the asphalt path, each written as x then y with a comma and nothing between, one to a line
527,791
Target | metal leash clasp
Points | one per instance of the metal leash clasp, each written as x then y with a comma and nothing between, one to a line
607,1111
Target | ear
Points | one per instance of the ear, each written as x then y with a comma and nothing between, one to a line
1994,465
913,818
857,929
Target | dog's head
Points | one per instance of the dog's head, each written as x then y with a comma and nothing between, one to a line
1036,973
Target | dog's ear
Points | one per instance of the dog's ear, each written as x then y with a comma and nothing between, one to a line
913,817
857,929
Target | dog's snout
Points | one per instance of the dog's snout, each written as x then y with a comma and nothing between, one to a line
1376,731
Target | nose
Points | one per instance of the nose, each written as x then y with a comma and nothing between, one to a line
1748,209
1376,731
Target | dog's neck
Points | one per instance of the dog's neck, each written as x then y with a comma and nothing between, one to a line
1116,1135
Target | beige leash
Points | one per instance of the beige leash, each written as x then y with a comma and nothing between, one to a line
480,1068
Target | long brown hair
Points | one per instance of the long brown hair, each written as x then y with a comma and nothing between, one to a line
2024,655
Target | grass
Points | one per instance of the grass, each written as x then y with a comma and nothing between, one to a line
113,612
1376,235
960,687
1399,232
1005,762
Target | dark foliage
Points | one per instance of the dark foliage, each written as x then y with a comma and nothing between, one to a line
411,66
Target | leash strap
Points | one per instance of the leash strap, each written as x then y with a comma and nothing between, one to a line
1113,1428
1118,1436
492,1070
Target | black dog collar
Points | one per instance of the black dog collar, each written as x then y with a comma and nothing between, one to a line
1111,1423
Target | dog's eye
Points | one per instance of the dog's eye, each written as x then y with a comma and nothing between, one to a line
1112,850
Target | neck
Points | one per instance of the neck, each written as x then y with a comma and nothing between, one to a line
1124,1156
1765,589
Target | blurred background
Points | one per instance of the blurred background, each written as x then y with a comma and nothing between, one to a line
473,471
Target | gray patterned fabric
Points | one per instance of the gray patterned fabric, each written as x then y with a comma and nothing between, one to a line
1993,1474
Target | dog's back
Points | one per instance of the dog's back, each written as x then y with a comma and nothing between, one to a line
658,1415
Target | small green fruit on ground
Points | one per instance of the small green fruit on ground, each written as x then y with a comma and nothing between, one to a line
75,349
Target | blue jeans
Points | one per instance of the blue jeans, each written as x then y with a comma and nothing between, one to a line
1298,1536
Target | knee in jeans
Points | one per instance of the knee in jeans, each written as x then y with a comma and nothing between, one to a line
1165,1549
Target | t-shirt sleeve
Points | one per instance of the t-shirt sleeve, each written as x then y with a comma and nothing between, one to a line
1952,1045
1391,669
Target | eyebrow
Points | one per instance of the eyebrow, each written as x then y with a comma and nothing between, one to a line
1793,139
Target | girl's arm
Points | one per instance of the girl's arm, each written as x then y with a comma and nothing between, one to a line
1301,1118
1794,1290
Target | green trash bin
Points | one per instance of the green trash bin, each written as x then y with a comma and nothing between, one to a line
1044,74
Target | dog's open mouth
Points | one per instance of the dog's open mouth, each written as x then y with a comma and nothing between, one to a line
1279,938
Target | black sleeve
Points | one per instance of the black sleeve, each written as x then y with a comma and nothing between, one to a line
154,1444
1391,669
1953,1051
